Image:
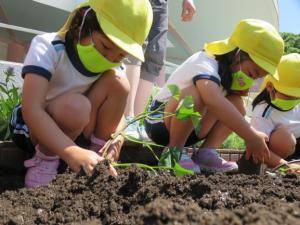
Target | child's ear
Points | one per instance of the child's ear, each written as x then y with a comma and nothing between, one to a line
269,86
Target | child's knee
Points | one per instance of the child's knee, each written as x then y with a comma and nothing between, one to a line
282,142
77,111
80,109
120,86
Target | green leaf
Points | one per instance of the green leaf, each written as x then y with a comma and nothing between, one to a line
169,157
165,158
175,91
180,171
196,123
185,109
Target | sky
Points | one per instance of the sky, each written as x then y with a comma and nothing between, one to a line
289,16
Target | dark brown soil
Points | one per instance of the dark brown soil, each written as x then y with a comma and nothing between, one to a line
139,197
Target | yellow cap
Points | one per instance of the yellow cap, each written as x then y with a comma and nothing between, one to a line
256,37
287,76
125,22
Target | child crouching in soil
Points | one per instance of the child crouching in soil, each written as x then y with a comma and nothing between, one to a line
216,78
276,111
74,84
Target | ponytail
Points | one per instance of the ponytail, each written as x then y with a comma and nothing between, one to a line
263,96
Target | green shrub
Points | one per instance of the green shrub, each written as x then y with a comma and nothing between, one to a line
234,142
9,98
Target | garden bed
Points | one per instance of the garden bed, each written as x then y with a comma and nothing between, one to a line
140,197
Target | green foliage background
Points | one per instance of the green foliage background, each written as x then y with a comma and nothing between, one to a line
292,42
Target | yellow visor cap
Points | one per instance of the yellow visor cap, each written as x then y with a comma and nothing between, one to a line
125,22
287,77
256,37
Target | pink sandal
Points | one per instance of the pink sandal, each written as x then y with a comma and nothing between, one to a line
41,169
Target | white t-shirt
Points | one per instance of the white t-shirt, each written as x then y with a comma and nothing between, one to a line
198,66
55,59
265,118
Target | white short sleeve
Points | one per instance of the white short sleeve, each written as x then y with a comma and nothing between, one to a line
41,57
260,122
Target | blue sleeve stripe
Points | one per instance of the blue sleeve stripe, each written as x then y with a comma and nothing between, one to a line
36,70
58,45
206,77
58,42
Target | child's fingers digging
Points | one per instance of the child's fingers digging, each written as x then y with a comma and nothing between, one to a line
112,171
87,169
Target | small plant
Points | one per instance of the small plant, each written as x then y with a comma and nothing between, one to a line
169,159
9,98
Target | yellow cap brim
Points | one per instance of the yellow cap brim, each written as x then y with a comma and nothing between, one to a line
112,32
63,30
225,46
294,92
270,68
219,47
120,38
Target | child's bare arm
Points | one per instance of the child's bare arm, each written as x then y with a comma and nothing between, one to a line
230,116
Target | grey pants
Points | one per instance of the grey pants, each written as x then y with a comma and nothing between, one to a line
156,44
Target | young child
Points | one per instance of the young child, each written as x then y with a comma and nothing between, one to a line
72,82
276,111
216,78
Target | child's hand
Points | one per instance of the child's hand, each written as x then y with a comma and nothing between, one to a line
79,157
257,147
114,149
188,10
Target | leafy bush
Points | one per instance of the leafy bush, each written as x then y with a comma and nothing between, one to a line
9,98
291,42
234,142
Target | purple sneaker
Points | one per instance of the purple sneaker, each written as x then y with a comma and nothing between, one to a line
210,160
186,162
41,169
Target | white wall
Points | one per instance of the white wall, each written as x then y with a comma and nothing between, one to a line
216,19
67,5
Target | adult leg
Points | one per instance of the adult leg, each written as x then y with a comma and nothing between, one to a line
133,71
154,55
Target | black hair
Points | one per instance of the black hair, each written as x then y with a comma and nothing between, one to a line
90,24
263,96
225,62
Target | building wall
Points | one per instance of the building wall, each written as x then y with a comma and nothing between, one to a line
215,19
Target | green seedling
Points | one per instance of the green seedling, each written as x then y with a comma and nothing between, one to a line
169,158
